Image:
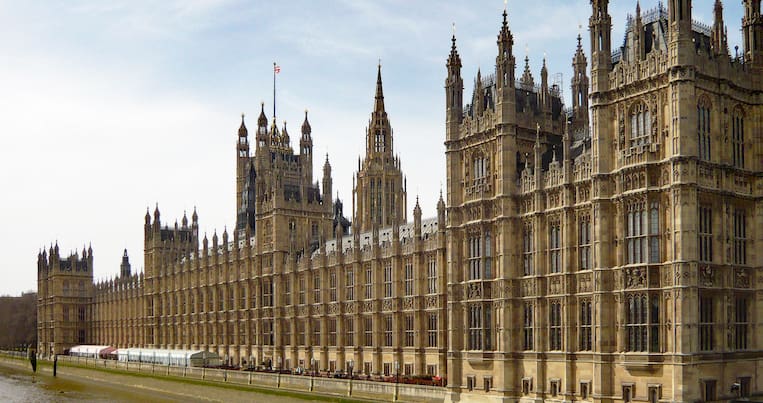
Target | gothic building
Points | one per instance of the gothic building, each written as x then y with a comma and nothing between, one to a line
599,252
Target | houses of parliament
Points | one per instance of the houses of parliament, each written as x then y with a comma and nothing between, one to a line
606,251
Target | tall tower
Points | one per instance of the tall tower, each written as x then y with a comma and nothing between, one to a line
64,300
380,194
600,25
242,160
124,268
579,87
306,150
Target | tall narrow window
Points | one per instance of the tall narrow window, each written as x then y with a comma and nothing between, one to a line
480,169
737,139
286,326
703,130
654,232
586,326
387,279
555,247
740,236
316,325
475,254
706,324
432,330
642,236
641,125
242,297
316,288
368,287
388,330
267,292
349,283
584,242
332,286
642,323
527,251
705,233
332,331
302,290
527,329
488,274
432,276
408,278
349,331
409,339
740,324
368,331
475,327
555,326
301,332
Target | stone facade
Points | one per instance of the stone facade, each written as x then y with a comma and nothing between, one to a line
602,252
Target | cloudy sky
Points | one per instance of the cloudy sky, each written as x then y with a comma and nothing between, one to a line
109,107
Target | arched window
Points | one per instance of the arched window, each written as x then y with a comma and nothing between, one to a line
641,125
703,129
737,137
479,165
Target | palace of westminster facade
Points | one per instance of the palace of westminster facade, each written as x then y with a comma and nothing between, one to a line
605,252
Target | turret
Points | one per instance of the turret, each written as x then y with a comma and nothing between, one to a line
580,86
441,224
246,213
327,188
417,220
544,84
454,92
719,38
504,63
680,45
477,96
379,137
157,222
124,268
263,141
242,158
306,150
639,40
752,30
600,25
285,139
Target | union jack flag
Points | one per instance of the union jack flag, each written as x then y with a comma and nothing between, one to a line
276,68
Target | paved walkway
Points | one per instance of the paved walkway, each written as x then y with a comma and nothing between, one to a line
137,387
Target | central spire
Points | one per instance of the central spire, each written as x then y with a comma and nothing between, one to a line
379,99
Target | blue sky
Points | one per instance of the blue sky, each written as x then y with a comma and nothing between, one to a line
109,107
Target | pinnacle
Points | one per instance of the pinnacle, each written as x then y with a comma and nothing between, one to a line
379,98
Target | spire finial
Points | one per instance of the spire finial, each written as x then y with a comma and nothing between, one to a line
379,98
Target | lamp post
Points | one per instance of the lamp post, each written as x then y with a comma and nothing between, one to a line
350,364
397,374
312,373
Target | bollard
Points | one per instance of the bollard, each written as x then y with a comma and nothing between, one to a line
55,364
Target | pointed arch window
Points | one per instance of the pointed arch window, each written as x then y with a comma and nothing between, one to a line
641,125
737,138
703,129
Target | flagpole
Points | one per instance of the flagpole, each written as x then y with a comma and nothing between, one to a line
274,91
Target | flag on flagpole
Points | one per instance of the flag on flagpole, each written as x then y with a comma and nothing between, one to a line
276,68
